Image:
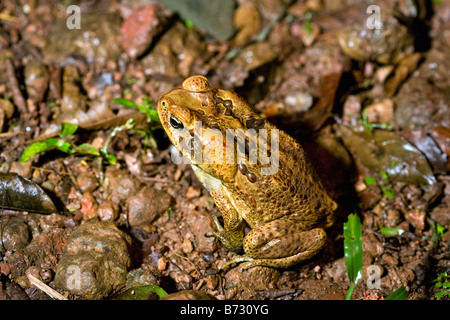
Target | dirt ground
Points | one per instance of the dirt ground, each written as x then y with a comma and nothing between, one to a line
369,102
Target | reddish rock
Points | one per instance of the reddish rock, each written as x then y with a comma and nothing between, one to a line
139,29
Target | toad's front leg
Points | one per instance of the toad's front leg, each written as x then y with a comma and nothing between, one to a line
231,235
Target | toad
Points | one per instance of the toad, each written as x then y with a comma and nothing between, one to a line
257,175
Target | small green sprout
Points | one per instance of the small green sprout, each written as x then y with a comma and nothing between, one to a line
391,232
307,25
353,251
62,143
141,292
440,230
442,282
388,192
189,24
66,144
104,151
369,180
169,211
152,118
399,294
146,107
368,126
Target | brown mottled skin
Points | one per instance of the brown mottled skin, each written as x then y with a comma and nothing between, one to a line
287,211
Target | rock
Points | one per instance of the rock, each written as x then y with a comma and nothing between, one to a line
441,135
214,16
15,234
46,246
380,112
96,41
188,295
147,205
142,276
320,290
405,67
22,169
10,290
372,247
245,284
4,268
338,270
108,211
88,206
299,101
183,281
87,182
416,218
72,98
352,107
192,193
95,261
256,55
6,112
36,80
199,224
441,216
120,184
140,28
386,45
175,54
247,22
186,246
423,100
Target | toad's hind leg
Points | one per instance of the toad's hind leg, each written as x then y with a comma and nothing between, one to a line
281,244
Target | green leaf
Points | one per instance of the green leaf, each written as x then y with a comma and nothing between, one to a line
147,102
440,294
369,180
131,80
141,292
389,192
188,23
440,230
65,147
87,148
384,175
399,294
111,158
391,232
67,129
54,143
125,102
154,115
353,250
34,149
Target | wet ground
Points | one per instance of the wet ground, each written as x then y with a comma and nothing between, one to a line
366,95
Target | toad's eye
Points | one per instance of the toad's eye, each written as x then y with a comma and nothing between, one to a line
176,123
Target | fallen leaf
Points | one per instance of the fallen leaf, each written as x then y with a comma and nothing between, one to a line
383,150
19,193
